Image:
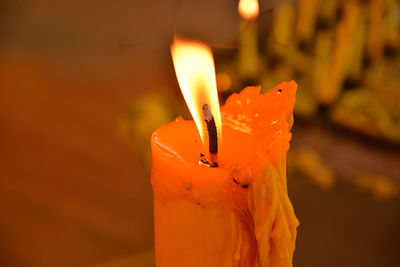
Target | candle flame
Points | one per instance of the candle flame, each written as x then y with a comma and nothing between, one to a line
248,9
195,70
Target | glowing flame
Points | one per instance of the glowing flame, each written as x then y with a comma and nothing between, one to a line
248,9
195,70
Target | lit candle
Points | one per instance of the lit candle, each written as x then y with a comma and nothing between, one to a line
219,182
248,65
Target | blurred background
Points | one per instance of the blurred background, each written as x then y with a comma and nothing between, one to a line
84,83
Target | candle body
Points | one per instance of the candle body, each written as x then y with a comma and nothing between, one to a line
238,214
248,64
188,234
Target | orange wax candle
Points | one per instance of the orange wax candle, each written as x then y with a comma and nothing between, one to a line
238,214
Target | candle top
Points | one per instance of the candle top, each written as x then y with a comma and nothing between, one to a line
253,123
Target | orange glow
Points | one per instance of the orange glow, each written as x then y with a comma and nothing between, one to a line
248,9
195,70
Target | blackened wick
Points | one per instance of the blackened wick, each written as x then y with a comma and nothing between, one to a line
212,133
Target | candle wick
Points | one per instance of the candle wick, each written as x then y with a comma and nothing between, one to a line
212,135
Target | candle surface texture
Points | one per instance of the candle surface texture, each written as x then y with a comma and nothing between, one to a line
238,214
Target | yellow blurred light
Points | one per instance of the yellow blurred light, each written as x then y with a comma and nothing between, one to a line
248,9
195,70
